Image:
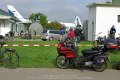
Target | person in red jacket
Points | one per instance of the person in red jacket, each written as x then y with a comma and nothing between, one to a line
72,35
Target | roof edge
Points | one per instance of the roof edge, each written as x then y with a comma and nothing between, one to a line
104,4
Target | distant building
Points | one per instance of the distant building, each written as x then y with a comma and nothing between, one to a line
8,23
101,19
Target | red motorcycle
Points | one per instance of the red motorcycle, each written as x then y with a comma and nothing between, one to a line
95,58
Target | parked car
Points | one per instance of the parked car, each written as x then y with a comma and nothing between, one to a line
50,35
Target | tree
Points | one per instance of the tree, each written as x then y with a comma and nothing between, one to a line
39,17
32,17
54,25
27,25
43,19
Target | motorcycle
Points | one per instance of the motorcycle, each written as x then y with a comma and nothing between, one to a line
118,41
112,44
95,58
99,40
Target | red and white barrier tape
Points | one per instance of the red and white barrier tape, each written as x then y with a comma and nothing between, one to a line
36,45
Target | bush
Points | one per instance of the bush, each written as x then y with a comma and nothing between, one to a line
1,36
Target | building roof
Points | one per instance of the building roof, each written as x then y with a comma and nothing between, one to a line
2,12
104,5
5,15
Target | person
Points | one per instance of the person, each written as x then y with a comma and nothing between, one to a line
34,34
29,34
112,32
72,36
70,45
21,33
78,32
62,32
1,38
11,33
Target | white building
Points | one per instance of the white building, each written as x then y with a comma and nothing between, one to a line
101,19
8,23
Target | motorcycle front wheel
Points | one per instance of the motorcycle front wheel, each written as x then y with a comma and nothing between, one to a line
100,67
62,62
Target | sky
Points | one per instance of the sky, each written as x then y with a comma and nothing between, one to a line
55,10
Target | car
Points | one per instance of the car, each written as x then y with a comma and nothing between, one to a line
50,35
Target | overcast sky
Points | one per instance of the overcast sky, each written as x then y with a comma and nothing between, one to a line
55,10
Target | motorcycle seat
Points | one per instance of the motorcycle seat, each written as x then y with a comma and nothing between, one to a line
89,52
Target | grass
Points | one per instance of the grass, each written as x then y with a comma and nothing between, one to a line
114,58
44,56
36,56
42,42
32,42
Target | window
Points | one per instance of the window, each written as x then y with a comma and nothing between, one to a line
54,32
118,18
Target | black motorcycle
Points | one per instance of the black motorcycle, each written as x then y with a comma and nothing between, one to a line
118,41
112,44
95,58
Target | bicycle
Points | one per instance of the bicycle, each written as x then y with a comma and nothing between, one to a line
8,57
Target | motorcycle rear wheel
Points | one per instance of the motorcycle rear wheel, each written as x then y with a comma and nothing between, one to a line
100,67
62,62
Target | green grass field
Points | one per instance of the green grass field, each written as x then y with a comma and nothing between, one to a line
44,56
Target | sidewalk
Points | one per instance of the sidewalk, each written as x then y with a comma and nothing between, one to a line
57,74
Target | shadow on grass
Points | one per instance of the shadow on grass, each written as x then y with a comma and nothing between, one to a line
113,65
54,62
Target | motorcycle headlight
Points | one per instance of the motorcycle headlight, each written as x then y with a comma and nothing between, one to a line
100,60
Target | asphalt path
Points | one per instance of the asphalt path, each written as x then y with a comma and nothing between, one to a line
57,74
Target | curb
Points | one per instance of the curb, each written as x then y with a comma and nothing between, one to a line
37,45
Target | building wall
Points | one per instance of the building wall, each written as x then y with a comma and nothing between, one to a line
17,28
85,29
101,19
105,18
4,27
91,23
9,23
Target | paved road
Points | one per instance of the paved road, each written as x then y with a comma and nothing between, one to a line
57,74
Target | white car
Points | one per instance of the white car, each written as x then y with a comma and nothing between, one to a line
51,35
